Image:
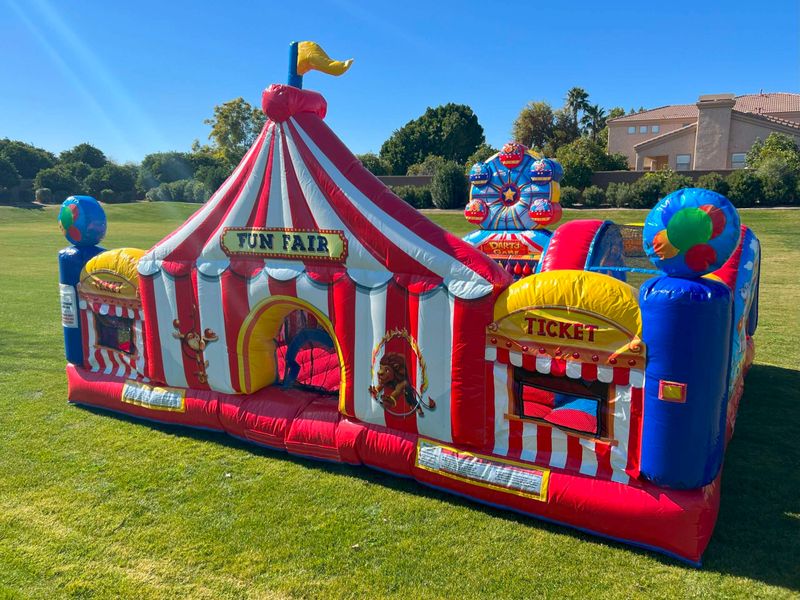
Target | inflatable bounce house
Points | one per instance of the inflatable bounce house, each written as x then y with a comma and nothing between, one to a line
307,308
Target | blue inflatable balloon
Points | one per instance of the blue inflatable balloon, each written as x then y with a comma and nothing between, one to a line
691,232
82,220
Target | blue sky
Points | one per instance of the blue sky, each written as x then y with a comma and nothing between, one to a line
140,76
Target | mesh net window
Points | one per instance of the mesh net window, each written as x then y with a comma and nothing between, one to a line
115,333
619,248
318,362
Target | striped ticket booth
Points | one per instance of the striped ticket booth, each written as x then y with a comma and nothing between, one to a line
111,314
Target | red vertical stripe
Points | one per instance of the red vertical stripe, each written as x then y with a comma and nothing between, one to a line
471,423
588,371
154,365
502,356
603,453
514,438
301,213
342,313
413,330
621,376
258,217
574,453
558,367
635,433
189,317
544,444
529,362
235,308
85,340
397,319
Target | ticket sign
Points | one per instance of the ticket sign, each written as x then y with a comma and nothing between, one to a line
296,244
568,326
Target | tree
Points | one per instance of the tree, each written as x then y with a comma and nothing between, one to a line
577,100
777,145
164,167
534,125
79,170
120,179
483,152
582,157
451,131
565,131
234,127
594,120
9,177
28,160
85,153
449,186
61,182
429,166
373,163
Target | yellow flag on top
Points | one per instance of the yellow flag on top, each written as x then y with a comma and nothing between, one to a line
311,56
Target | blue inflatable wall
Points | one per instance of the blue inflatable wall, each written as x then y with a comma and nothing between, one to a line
686,326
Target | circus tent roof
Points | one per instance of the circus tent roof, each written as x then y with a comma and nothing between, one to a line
299,176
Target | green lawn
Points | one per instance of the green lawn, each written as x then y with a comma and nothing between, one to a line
94,505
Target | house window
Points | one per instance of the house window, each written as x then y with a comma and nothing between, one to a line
738,160
655,128
572,404
642,128
683,162
115,333
631,130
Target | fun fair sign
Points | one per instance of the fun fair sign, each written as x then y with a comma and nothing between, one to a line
295,244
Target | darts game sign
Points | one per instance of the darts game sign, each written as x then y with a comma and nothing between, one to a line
297,244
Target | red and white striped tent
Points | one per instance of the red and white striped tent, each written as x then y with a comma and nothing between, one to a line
401,272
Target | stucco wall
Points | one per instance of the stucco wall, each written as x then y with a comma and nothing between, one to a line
619,140
744,133
713,133
682,144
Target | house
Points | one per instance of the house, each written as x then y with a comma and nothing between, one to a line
715,133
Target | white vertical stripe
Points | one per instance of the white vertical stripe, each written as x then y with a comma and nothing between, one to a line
107,361
573,369
622,422
316,294
470,284
257,288
637,378
124,364
188,228
588,458
242,206
104,309
558,456
91,338
543,364
171,353
370,321
501,430
278,212
530,433
435,339
605,374
138,340
209,304
515,358
358,257
118,311
490,354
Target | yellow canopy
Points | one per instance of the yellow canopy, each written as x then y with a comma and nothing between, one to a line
113,273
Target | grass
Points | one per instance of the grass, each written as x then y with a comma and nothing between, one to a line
95,505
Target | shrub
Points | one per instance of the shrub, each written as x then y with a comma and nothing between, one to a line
373,163
714,182
27,159
110,176
570,196
9,177
449,186
429,166
778,181
183,190
647,191
44,195
85,153
744,188
593,196
416,196
60,181
621,195
107,196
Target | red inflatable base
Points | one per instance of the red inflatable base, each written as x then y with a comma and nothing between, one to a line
675,522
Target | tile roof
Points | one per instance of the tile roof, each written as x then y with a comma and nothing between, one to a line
771,119
760,104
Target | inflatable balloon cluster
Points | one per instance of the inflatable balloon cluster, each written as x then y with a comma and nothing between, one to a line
513,196
691,232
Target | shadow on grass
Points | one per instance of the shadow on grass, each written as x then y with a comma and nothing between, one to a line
758,532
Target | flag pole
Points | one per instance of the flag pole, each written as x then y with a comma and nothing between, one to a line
295,80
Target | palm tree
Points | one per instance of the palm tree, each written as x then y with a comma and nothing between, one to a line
594,119
577,100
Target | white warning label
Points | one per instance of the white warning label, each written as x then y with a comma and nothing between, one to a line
157,398
69,305
506,476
